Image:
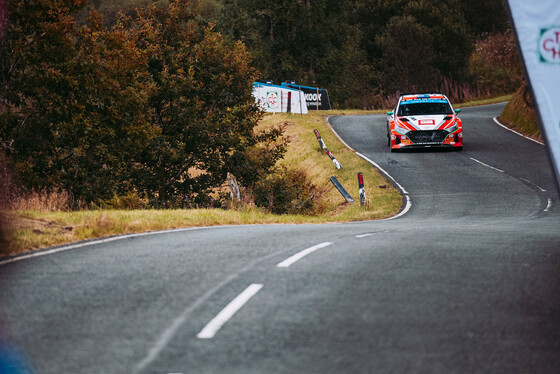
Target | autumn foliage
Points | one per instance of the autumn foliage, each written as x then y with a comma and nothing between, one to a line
158,104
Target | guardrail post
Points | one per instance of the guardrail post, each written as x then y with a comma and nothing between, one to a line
334,160
233,187
341,189
320,140
362,189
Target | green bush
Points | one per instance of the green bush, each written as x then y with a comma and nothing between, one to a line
287,191
129,201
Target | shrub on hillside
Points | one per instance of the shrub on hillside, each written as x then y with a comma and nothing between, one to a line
520,114
495,63
286,192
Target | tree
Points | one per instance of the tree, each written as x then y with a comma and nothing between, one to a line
309,41
450,40
495,63
409,58
426,40
73,99
202,105
485,16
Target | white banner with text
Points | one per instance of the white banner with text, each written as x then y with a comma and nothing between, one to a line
537,27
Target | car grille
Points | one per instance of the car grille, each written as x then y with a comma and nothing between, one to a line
431,136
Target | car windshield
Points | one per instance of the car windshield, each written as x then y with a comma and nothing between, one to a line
417,109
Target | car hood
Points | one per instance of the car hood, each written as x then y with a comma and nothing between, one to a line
429,122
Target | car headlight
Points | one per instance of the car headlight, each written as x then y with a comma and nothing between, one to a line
400,129
453,128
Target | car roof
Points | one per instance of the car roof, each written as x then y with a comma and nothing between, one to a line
437,96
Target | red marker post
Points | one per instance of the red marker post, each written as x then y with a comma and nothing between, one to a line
362,189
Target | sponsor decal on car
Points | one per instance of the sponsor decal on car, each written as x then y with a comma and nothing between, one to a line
416,100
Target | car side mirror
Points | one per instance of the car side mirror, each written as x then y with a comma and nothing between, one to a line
457,110
389,113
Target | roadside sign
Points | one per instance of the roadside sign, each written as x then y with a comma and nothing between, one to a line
315,98
537,29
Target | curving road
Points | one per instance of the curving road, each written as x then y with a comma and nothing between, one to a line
466,281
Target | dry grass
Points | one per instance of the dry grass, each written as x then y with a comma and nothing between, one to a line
42,219
305,153
43,201
520,115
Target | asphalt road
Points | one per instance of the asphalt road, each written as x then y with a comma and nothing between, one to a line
466,281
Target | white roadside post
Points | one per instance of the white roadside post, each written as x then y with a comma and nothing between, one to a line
334,160
233,187
320,140
362,189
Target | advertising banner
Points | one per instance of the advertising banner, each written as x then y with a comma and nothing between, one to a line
315,98
537,28
278,99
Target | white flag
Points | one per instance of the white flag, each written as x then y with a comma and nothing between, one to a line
537,27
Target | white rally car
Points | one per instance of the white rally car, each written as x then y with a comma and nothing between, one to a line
424,120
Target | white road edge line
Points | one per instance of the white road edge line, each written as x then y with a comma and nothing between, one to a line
210,330
107,240
298,256
515,132
408,203
534,184
384,172
488,166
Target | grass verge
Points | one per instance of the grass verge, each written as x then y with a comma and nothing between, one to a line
520,115
33,229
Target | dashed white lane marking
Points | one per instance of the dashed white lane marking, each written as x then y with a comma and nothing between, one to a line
298,256
549,205
210,330
169,333
363,236
366,235
488,166
515,132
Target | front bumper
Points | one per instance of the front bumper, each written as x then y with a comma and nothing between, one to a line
427,139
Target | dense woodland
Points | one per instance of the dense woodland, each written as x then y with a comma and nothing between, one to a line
366,50
108,98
